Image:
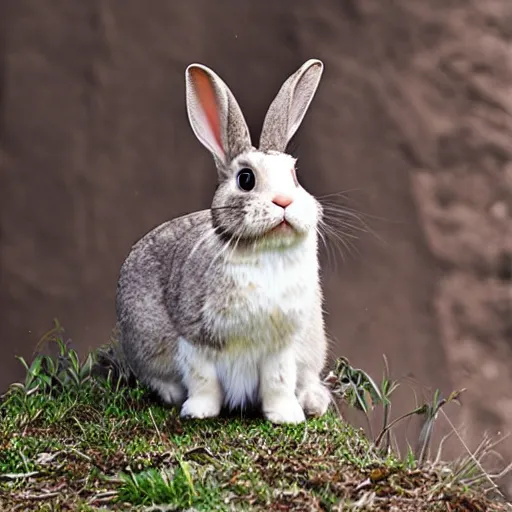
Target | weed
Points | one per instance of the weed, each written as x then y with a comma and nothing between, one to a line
83,435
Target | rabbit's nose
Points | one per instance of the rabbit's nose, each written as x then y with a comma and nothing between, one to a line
282,200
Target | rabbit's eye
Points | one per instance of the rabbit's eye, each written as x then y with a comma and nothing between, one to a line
246,179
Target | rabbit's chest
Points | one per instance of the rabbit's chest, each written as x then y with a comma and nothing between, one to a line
261,306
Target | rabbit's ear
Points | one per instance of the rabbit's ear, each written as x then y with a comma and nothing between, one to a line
290,106
214,114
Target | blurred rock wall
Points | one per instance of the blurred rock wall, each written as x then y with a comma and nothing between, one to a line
412,119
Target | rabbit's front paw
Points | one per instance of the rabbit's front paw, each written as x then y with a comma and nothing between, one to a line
201,406
285,409
315,400
172,393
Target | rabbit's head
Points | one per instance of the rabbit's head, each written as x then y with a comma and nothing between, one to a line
258,197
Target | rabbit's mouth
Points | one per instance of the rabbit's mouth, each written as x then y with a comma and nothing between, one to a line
283,227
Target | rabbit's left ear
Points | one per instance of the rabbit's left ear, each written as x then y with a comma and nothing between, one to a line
289,107
214,114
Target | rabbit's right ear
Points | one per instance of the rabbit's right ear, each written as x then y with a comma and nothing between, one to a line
290,106
214,114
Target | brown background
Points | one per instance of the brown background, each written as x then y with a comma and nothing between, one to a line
413,117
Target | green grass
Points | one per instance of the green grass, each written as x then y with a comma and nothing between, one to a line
73,440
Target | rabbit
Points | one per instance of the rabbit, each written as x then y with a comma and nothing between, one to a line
222,308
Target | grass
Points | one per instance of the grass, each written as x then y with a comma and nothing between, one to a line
73,437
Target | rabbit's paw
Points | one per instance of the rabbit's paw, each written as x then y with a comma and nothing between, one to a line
315,400
201,406
284,410
172,393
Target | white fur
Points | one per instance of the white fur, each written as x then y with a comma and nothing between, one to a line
314,397
238,373
272,293
201,380
261,319
277,172
201,406
264,315
277,387
171,392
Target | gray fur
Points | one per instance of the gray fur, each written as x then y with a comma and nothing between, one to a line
169,273
289,107
156,302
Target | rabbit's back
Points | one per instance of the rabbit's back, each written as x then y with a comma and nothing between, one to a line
182,285
214,294
156,302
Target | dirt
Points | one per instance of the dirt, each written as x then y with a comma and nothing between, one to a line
413,117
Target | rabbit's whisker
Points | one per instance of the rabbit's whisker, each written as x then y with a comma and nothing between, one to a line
326,245
226,207
208,236
342,194
219,253
340,239
348,219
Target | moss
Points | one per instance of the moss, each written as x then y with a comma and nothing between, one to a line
82,443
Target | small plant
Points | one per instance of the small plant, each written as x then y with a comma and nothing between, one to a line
430,412
359,390
78,435
354,386
159,486
48,374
